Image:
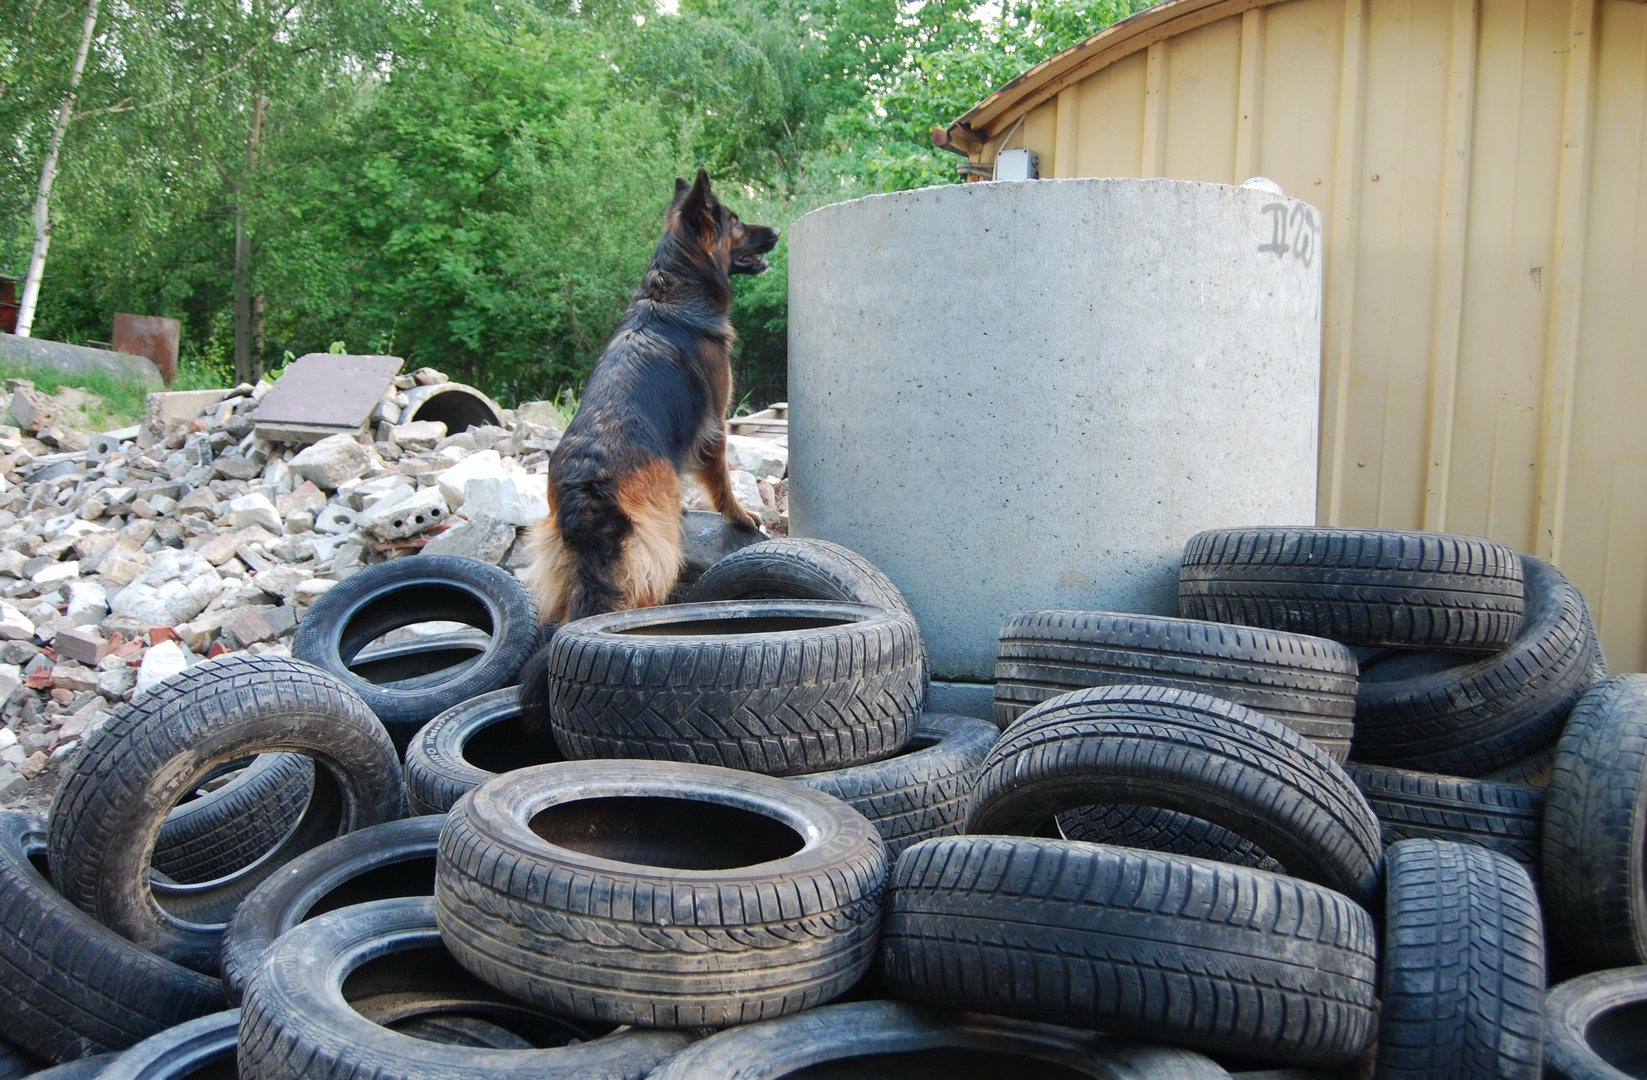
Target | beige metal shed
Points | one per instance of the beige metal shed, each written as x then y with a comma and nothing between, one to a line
1479,166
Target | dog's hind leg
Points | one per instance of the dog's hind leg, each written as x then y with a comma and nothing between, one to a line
652,558
710,470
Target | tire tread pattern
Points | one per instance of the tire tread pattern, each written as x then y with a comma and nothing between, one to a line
1361,587
1462,992
1161,947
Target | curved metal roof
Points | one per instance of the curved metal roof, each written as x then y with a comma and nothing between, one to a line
987,118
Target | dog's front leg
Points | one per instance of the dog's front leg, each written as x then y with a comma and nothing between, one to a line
710,471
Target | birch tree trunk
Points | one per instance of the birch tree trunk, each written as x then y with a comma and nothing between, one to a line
247,369
48,173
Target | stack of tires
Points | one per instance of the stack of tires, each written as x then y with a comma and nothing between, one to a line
739,847
1456,685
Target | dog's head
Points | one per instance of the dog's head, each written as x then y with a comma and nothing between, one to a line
733,246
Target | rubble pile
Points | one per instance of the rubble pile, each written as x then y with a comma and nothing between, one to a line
127,555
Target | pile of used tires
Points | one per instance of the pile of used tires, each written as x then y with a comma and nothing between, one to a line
1319,826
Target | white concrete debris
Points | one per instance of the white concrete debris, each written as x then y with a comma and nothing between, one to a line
124,563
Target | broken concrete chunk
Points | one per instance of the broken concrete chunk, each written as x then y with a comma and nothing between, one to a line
281,581
759,456
254,509
88,603
418,435
331,461
515,497
14,625
248,627
406,517
56,574
160,663
476,465
486,540
31,410
305,498
175,588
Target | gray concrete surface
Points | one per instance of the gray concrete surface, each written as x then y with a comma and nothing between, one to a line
1013,396
77,359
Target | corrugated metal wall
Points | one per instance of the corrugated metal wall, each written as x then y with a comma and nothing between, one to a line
1479,165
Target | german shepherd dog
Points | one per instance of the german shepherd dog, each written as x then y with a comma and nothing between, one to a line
653,410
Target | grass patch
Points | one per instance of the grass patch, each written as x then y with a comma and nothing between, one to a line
114,403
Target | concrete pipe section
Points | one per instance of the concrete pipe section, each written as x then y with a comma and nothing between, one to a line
457,406
1027,395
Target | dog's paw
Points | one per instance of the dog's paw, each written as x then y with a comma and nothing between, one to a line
744,521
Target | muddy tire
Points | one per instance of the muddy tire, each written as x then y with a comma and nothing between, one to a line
870,1032
1506,818
1462,989
770,686
70,988
1305,682
230,828
295,1023
1595,818
921,792
1378,587
470,743
1592,1026
1189,753
1118,940
672,896
128,774
1443,713
429,588
382,862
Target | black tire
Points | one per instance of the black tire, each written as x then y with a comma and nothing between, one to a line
1359,586
83,1069
129,773
203,1047
880,1033
772,686
15,1063
430,588
295,1023
797,568
1462,989
1530,771
690,900
383,862
1154,829
228,829
801,568
1592,1027
70,988
1189,753
1506,818
1133,942
469,743
921,792
1305,682
1595,822
420,661
1442,713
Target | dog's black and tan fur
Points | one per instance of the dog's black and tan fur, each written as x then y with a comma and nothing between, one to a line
653,410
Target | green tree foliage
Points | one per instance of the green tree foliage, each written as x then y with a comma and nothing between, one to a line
473,184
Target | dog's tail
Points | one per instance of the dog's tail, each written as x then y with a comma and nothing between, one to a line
593,526
533,691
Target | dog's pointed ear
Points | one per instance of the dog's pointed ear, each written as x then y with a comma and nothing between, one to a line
699,201
681,188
